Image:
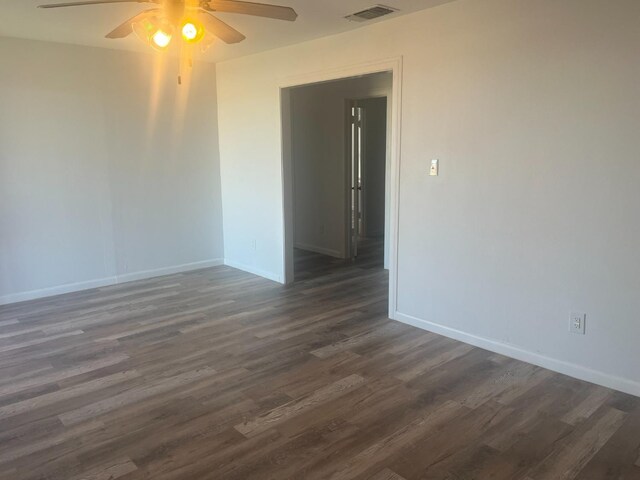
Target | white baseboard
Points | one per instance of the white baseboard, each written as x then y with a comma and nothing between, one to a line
158,272
571,369
57,290
321,250
104,282
254,271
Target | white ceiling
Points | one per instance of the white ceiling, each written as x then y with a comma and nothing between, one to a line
88,25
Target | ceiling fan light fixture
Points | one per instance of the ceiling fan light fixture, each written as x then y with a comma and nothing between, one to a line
207,40
155,32
161,39
144,29
192,32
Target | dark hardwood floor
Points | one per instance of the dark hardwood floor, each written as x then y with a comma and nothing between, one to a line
309,265
218,374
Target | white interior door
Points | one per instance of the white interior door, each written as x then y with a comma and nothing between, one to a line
357,181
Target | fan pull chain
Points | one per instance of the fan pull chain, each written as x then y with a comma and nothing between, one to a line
181,63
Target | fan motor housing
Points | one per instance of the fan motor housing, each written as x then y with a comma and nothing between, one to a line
174,10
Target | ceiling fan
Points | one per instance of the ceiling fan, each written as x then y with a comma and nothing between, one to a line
192,18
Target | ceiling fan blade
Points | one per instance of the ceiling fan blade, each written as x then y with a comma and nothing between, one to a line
250,8
92,2
126,28
220,29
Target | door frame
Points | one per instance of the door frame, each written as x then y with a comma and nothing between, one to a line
392,65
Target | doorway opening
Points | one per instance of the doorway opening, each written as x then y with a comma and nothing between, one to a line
367,146
339,148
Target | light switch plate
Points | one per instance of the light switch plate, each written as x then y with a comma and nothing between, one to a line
434,170
577,323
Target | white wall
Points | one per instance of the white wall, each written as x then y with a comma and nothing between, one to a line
108,170
533,110
319,143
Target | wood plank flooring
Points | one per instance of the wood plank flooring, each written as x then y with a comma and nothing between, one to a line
218,374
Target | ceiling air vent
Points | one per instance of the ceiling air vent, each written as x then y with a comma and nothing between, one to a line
372,13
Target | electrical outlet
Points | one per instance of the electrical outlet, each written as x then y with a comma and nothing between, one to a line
253,244
577,323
